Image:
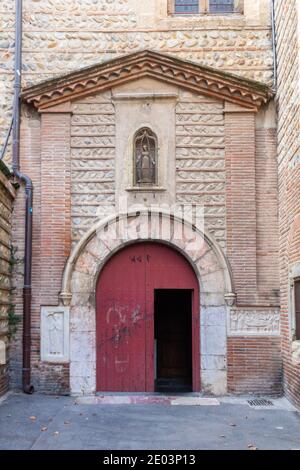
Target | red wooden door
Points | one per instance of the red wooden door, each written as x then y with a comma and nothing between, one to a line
125,315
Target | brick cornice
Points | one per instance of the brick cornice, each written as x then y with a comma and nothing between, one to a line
205,80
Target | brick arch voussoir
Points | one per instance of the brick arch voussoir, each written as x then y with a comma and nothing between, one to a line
102,241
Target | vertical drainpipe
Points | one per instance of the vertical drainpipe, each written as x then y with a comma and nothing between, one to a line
26,370
274,47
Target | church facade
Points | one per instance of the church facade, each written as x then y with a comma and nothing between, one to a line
152,147
149,192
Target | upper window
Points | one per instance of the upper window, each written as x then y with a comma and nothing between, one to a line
205,6
297,309
186,6
221,6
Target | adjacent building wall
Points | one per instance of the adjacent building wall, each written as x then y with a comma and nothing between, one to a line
7,314
288,99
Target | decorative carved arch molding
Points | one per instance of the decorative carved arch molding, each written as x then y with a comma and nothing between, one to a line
194,77
103,241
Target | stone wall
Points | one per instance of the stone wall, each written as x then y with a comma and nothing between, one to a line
7,196
93,161
200,159
61,36
225,158
288,98
254,366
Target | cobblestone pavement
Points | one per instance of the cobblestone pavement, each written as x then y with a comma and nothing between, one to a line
49,422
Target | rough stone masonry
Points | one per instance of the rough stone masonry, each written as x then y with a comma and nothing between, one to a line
213,151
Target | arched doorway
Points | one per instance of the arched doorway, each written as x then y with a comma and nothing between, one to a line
147,321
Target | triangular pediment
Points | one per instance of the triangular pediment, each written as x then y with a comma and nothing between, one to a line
197,78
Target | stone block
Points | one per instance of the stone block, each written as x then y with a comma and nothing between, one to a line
296,352
208,264
211,299
83,368
109,237
82,385
97,247
82,282
214,382
82,346
213,340
213,362
82,299
82,319
213,316
87,264
213,282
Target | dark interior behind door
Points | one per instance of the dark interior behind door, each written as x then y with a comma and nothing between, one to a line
173,336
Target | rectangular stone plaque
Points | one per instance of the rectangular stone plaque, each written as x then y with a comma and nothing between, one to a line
55,334
246,322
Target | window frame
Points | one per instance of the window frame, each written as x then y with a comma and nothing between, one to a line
222,12
294,276
187,13
203,9
295,336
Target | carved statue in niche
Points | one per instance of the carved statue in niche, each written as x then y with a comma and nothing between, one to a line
145,157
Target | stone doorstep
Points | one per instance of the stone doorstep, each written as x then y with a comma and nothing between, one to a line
106,398
136,399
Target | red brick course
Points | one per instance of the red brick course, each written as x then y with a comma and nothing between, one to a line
45,155
241,202
254,365
267,217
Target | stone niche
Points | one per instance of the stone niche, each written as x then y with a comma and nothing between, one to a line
145,103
